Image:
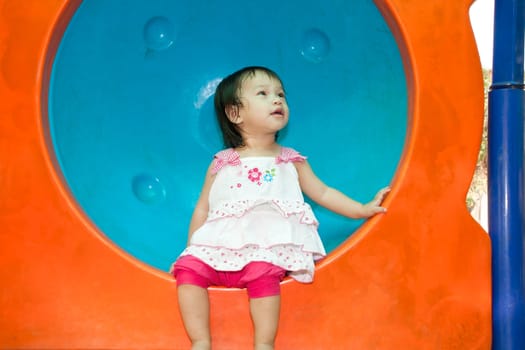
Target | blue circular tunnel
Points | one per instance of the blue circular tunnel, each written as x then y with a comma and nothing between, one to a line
131,105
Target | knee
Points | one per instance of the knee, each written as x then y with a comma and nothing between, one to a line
263,345
201,344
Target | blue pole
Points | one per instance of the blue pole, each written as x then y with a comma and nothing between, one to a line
506,177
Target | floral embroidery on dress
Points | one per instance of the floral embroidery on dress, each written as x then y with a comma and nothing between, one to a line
269,175
257,176
254,175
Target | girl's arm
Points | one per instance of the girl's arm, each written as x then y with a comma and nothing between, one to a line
333,199
200,212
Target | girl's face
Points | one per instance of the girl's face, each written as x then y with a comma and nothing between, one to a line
264,109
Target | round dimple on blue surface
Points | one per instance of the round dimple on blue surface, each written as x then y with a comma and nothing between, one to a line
131,105
158,33
315,45
148,189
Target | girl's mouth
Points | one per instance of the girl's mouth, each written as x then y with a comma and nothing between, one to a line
278,112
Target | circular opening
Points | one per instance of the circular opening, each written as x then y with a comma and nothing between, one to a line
131,106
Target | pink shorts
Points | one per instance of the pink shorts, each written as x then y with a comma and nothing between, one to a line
261,279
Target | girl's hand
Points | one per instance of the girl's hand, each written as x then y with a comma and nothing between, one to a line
374,206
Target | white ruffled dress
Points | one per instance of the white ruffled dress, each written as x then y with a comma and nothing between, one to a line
257,213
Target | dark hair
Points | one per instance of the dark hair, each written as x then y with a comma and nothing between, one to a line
227,94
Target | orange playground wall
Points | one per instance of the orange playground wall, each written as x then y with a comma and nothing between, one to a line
416,278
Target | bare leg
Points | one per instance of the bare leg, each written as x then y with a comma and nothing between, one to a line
265,317
194,307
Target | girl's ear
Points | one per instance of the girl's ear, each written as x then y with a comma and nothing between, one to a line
232,112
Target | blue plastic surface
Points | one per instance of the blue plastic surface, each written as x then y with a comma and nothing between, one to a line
131,105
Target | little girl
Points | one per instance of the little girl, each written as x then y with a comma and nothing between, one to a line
251,226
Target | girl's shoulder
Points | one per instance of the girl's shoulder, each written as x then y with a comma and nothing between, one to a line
226,154
225,157
288,154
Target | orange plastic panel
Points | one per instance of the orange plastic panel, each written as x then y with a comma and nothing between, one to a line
415,278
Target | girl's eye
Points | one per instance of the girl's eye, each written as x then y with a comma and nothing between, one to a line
281,94
262,93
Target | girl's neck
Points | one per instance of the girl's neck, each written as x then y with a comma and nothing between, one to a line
259,148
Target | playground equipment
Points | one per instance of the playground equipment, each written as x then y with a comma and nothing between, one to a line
418,277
